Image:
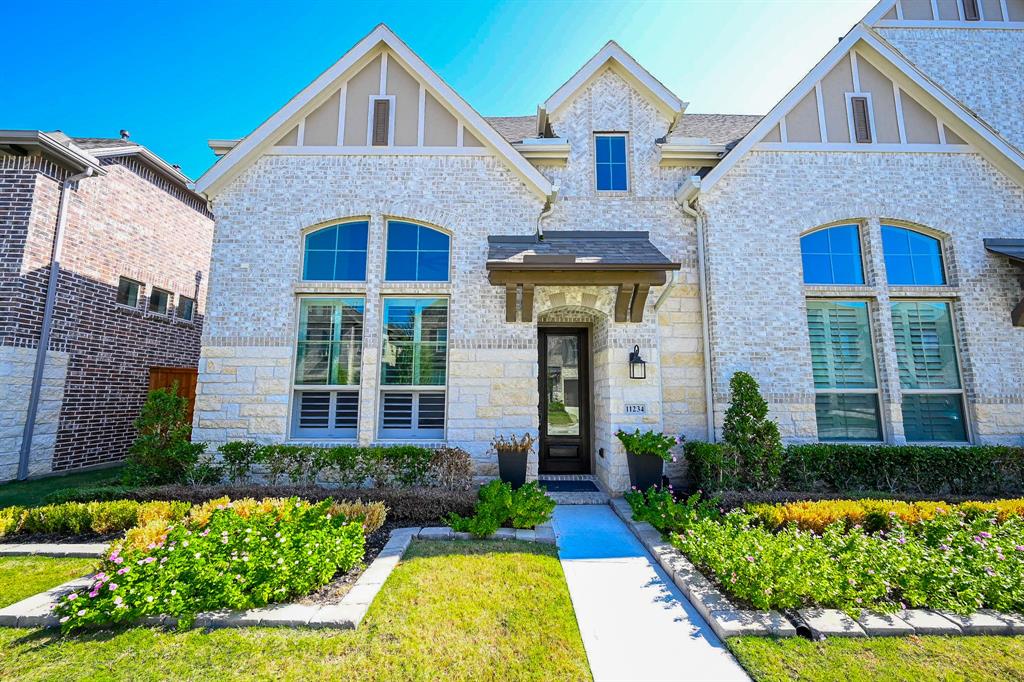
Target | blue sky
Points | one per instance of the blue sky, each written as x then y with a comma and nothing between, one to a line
178,73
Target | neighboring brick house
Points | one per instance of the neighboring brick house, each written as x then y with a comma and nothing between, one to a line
429,275
130,295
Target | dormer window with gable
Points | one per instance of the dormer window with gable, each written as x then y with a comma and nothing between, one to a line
612,167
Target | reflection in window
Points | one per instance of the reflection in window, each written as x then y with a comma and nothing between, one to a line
416,253
929,372
327,367
911,257
846,402
336,253
414,368
610,158
832,256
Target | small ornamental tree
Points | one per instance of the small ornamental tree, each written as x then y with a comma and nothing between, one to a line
162,452
751,436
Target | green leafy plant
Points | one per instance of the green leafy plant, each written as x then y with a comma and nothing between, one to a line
660,508
648,443
162,452
238,457
751,436
238,555
526,507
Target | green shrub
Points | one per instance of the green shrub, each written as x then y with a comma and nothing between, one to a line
162,452
920,470
226,560
10,518
83,518
660,509
90,494
238,457
526,507
750,436
647,443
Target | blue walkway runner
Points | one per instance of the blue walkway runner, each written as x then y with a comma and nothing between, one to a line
636,624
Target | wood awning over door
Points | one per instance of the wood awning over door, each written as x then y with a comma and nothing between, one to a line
625,260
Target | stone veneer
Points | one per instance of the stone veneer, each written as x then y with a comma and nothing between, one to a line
755,217
248,352
16,368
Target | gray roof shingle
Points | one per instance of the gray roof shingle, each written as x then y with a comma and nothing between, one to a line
514,128
565,249
101,142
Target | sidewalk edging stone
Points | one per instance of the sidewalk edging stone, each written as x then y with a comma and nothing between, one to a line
36,611
728,621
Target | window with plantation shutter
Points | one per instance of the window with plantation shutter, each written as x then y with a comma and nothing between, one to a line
381,126
413,371
861,120
846,404
929,372
328,361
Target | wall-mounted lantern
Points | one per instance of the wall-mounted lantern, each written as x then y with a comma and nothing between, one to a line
637,365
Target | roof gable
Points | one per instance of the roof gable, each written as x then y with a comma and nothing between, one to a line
612,55
801,101
380,66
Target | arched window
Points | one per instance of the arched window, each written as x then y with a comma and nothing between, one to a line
911,257
336,253
832,256
416,253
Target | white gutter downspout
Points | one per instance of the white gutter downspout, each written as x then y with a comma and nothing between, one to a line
549,207
44,333
687,197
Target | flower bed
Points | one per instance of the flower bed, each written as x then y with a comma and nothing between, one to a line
224,554
958,560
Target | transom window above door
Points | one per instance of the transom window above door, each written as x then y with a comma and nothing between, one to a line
832,256
416,253
336,253
912,257
611,165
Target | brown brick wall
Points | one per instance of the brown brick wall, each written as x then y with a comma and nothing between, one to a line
130,222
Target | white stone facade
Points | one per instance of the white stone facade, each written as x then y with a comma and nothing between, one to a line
753,219
16,368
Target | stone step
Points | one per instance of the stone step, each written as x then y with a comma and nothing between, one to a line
579,498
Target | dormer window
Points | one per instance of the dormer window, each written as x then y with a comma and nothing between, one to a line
610,160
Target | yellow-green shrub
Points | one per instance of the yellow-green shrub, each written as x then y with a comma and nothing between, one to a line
872,514
371,513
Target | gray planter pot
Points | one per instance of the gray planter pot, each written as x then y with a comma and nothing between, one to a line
644,470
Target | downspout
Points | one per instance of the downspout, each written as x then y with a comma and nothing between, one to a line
687,197
44,333
549,208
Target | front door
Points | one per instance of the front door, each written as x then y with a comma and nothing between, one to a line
564,401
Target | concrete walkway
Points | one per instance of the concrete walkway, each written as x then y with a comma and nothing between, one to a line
636,624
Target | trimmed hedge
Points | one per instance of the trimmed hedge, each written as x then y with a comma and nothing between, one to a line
78,518
415,506
911,469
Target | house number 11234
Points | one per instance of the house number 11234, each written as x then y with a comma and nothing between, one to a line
636,408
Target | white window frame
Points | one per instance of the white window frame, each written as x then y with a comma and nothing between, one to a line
877,390
415,389
333,389
149,301
391,120
871,117
629,165
140,293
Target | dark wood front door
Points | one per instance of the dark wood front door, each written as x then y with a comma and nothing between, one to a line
564,401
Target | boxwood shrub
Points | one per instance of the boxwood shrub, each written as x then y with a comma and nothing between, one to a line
908,469
78,518
236,555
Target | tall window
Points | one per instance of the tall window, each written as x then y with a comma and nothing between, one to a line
911,257
336,253
832,256
610,157
846,401
327,363
416,253
929,372
414,368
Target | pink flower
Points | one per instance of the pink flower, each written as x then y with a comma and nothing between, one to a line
118,560
65,619
93,594
81,612
149,559
985,534
750,559
112,586
122,571
117,601
204,533
1019,548
72,596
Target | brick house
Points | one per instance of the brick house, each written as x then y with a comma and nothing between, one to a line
130,294
431,275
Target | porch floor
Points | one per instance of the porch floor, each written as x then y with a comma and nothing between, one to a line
635,623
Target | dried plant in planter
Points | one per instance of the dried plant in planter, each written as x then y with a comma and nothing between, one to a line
513,445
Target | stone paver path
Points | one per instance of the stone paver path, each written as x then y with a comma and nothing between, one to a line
636,624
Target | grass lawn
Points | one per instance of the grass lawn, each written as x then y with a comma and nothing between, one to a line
882,658
22,577
32,492
451,610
